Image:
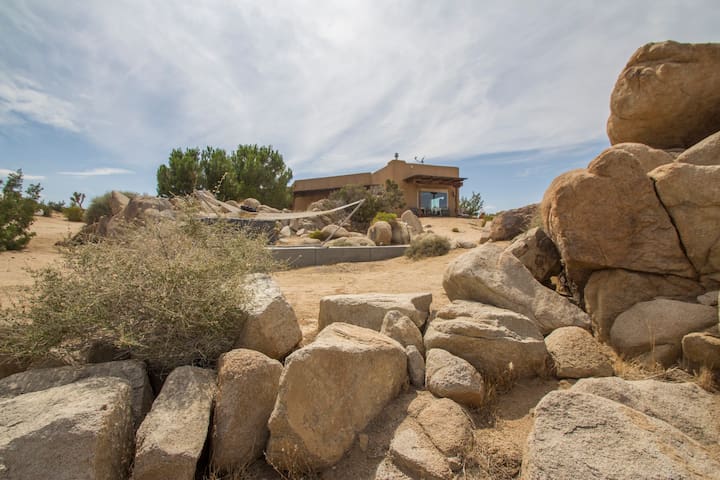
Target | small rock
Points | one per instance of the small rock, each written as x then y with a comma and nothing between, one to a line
702,349
452,377
577,354
416,366
399,327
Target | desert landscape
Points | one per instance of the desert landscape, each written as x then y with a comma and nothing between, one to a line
574,338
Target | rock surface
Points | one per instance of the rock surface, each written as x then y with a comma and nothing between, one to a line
579,435
380,233
400,328
172,436
448,376
659,325
692,198
416,366
76,431
368,310
117,201
271,326
415,453
401,233
247,388
329,391
685,406
413,222
511,223
592,235
538,253
133,371
608,293
490,275
576,354
489,338
702,349
667,96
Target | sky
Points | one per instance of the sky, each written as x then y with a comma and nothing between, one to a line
95,95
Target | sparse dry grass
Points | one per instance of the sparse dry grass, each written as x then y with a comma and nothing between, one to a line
427,245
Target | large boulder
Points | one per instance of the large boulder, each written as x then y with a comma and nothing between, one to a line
580,435
576,354
609,216
608,293
448,376
380,233
490,338
489,274
335,230
657,327
691,196
413,451
247,388
685,406
81,430
132,371
706,152
118,201
144,206
667,96
401,233
271,326
511,223
329,391
413,222
702,349
369,309
400,328
172,436
538,253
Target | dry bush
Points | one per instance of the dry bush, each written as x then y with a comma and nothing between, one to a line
168,292
427,245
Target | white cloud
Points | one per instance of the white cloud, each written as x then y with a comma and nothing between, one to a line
98,172
4,172
333,85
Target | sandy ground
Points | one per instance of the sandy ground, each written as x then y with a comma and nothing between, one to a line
501,428
40,252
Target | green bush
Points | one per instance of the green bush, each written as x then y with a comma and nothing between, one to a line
377,199
427,245
17,212
384,217
471,206
100,206
169,292
74,213
319,235
57,206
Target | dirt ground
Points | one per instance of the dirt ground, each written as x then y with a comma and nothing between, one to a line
501,428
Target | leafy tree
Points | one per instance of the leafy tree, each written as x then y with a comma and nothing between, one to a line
16,212
250,171
387,198
262,174
182,174
472,206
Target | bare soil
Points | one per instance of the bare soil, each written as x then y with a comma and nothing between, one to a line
501,427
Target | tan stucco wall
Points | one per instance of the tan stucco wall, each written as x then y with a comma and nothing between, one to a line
310,190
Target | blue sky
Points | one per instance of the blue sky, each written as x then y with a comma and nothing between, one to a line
94,95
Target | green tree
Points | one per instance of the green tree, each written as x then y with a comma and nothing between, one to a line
16,211
250,171
218,174
77,199
472,206
182,175
263,175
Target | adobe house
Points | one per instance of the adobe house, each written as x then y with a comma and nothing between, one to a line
427,189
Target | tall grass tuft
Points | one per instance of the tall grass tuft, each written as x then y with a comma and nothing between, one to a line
427,245
169,292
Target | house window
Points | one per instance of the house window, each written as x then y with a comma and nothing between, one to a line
434,202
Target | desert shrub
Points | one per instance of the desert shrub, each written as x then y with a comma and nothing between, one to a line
74,213
377,198
455,230
57,206
319,235
100,206
16,211
427,245
384,217
168,292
